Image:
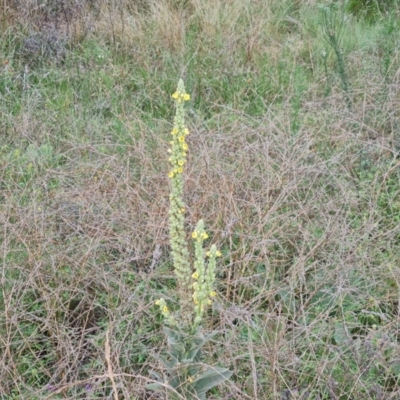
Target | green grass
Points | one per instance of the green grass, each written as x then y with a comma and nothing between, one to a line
299,191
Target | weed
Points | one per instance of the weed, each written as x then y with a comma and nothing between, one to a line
300,193
187,376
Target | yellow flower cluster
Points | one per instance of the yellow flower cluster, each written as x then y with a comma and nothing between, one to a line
179,148
165,311
204,276
217,254
177,159
195,285
199,236
180,96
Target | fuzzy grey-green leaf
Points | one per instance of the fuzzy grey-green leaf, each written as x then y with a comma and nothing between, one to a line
213,376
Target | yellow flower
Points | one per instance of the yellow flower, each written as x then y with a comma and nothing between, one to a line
204,235
181,96
158,302
195,275
213,294
181,139
185,146
171,174
174,131
194,235
165,309
181,162
180,170
217,254
186,131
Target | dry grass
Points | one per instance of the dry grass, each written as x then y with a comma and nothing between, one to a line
302,199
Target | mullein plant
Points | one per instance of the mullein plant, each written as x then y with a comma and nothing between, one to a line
187,377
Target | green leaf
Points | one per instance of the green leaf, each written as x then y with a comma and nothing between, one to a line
156,375
155,387
173,337
178,351
211,377
169,364
194,354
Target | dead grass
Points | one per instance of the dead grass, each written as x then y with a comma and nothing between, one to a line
308,287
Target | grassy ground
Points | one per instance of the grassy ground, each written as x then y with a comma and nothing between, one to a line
294,166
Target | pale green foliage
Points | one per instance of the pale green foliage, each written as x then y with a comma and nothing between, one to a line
179,251
165,312
187,377
195,288
204,277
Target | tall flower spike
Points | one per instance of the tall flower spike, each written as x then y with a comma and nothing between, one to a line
203,277
179,249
